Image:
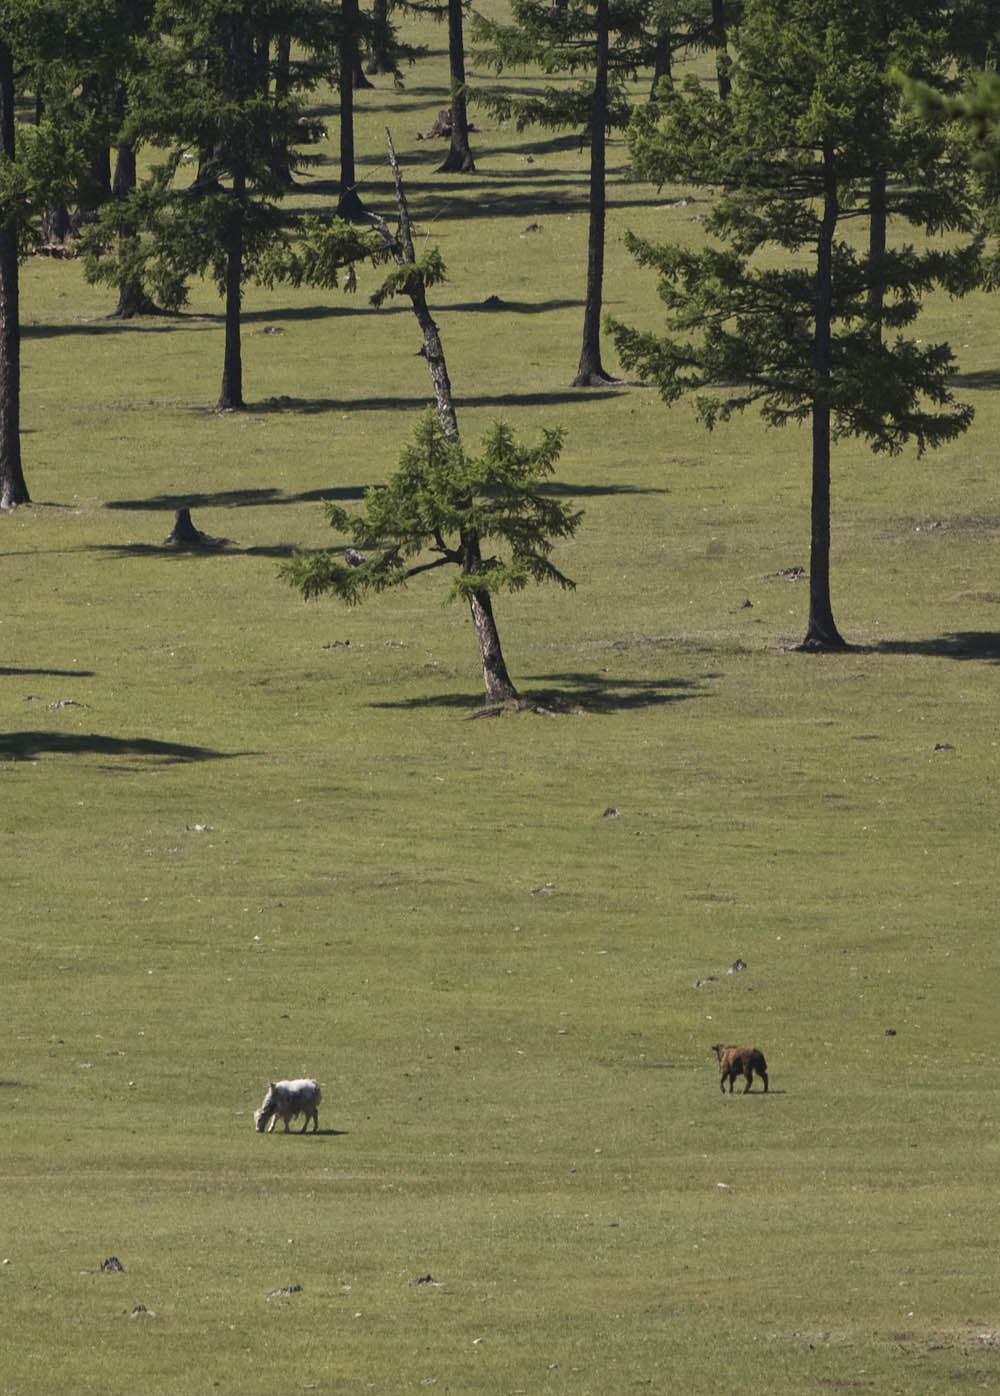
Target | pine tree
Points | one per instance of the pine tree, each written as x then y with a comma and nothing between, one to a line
809,124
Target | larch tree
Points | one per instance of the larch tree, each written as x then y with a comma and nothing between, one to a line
486,518
219,82
605,42
459,159
41,165
572,37
973,104
678,27
13,488
818,334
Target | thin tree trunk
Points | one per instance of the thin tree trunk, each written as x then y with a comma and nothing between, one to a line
379,60
822,633
877,243
349,205
877,218
282,79
132,297
231,396
591,373
13,490
124,180
663,57
459,158
721,46
496,680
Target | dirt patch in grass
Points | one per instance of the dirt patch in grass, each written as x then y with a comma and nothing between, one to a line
964,1337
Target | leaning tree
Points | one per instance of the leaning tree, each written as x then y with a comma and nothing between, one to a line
484,517
816,334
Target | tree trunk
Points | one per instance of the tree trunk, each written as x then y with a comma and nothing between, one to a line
496,680
349,205
721,46
591,373
132,297
184,534
379,60
877,242
663,58
877,219
459,158
822,633
13,490
434,354
231,396
282,78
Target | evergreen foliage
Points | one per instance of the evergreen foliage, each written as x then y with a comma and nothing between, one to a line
801,148
218,85
45,48
436,498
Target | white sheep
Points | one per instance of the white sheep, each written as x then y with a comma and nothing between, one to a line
285,1100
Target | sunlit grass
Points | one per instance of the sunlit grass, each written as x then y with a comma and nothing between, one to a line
246,837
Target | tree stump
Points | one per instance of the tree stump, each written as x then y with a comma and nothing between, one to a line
185,535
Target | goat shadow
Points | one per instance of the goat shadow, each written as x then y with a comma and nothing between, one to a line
754,1092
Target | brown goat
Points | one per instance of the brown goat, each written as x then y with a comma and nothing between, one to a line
739,1061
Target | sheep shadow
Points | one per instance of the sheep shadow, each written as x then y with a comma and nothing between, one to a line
315,1133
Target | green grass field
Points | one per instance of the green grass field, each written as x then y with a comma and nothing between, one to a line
246,837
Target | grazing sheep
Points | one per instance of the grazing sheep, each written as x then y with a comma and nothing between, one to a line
285,1100
739,1061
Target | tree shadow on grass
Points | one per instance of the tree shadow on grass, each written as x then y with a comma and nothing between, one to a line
571,491
959,644
26,746
48,673
488,306
155,324
236,499
984,378
603,693
572,693
225,548
553,397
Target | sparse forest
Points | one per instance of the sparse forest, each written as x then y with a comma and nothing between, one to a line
803,125
329,332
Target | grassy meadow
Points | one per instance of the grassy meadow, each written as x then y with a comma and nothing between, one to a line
246,837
